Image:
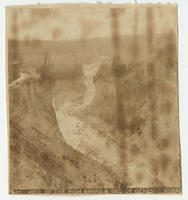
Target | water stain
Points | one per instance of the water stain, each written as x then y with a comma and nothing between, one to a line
41,13
164,143
134,150
151,72
164,162
171,55
155,167
88,27
139,177
167,107
119,72
56,33
134,48
28,24
150,29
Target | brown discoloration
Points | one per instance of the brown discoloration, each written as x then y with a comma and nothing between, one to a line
28,24
164,162
167,107
119,72
164,143
171,54
134,150
41,13
139,177
115,35
154,167
93,98
151,69
89,26
15,29
118,68
135,45
57,33
150,29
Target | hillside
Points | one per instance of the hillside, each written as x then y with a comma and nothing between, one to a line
125,134
38,150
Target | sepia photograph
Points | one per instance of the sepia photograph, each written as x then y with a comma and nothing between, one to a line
92,99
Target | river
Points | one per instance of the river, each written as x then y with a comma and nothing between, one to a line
79,134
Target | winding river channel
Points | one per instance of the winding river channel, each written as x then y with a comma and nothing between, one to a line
80,135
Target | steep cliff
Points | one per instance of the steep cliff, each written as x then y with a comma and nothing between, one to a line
39,157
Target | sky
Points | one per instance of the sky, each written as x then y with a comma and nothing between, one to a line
58,23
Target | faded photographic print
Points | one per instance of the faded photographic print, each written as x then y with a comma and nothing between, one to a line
93,99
